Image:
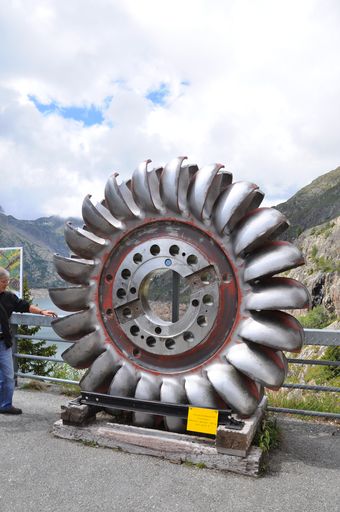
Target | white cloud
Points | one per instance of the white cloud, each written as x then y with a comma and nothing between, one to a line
253,85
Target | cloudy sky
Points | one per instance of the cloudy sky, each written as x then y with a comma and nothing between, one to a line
88,87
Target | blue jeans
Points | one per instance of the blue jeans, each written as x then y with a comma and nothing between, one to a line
6,376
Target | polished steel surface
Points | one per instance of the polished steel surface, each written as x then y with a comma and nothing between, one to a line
204,189
145,185
104,367
200,391
125,381
264,366
72,298
86,349
84,243
274,329
98,218
277,293
174,184
234,388
173,392
234,203
74,270
148,388
274,257
258,227
72,326
119,199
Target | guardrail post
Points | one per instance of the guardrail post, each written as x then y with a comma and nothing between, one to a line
14,329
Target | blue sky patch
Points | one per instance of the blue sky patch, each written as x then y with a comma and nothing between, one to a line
159,96
88,115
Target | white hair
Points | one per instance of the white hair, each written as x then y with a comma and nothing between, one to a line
4,274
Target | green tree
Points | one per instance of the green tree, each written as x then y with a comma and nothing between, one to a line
33,347
317,318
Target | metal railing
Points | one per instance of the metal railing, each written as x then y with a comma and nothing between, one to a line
321,337
32,320
325,337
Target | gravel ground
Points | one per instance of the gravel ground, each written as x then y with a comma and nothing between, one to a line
41,473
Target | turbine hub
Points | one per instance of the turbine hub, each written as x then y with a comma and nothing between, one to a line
168,290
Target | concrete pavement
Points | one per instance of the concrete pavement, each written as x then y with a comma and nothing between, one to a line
40,473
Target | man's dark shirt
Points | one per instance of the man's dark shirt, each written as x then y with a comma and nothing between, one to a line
9,302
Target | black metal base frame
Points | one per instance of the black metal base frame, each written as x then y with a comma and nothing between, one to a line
101,401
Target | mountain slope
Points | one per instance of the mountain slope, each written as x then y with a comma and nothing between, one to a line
40,239
313,205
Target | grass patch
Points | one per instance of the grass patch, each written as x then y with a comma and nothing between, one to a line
324,230
322,263
320,376
304,400
200,465
314,252
190,464
327,375
70,390
92,444
268,435
326,265
317,318
34,385
332,354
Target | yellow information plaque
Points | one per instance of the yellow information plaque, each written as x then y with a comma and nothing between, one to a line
202,420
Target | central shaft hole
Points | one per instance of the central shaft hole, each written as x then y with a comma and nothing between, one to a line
165,295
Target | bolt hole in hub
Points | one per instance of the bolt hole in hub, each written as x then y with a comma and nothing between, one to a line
168,295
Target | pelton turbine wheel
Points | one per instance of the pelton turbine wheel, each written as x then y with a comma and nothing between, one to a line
202,242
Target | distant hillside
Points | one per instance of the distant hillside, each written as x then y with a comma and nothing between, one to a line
313,205
40,239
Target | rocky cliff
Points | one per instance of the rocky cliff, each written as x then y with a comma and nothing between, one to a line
321,273
315,204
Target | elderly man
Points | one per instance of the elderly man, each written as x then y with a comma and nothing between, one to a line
9,302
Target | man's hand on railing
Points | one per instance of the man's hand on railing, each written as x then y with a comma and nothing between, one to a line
44,312
47,312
